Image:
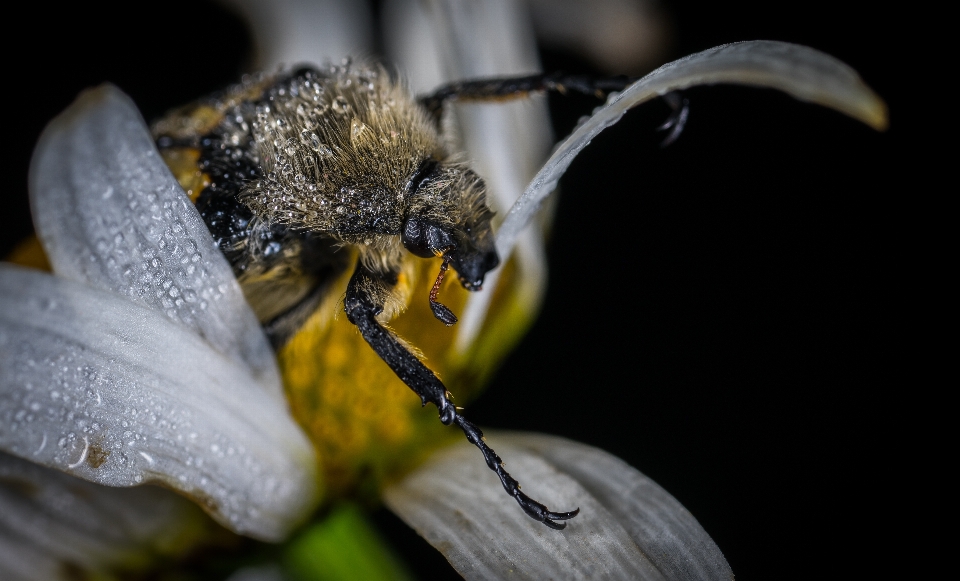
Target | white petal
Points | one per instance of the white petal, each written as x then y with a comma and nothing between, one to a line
656,521
505,142
802,72
288,32
628,529
115,393
51,522
412,43
111,215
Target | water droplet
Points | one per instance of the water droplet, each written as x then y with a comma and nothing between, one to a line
357,130
272,248
340,105
310,138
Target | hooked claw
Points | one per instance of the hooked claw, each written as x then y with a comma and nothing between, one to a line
534,509
540,513
677,120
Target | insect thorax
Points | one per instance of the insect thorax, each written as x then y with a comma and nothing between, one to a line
337,149
329,151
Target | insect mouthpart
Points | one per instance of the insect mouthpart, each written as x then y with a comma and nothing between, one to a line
473,264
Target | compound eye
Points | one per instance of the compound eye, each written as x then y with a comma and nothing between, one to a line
426,240
414,238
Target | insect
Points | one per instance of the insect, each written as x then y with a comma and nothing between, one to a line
297,173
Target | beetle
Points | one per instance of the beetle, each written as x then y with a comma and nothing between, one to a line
298,173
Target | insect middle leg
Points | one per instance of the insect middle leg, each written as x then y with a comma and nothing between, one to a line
677,120
504,88
366,294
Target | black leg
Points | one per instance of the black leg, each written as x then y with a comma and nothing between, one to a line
534,509
363,302
517,87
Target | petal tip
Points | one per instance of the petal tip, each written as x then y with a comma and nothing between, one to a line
875,114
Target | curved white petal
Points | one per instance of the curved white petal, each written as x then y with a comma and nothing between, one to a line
628,527
505,142
52,523
111,215
412,44
288,32
115,393
655,520
800,71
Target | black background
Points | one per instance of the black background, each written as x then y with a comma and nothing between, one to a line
728,314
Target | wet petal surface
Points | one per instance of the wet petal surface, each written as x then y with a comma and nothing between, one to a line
112,392
110,214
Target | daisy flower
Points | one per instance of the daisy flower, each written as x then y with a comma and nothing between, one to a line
139,397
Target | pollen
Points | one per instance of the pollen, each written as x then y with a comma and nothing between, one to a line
367,426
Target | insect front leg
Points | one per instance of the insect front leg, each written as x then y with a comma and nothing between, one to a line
366,294
365,298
